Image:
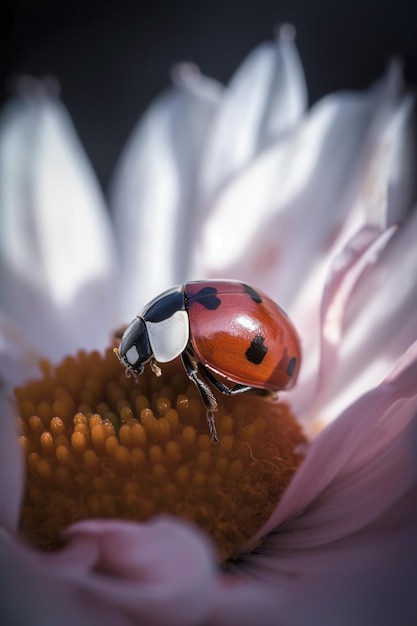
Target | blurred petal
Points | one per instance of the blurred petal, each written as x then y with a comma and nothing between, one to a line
265,98
57,257
370,462
19,360
401,149
161,572
11,468
244,602
153,189
33,592
113,572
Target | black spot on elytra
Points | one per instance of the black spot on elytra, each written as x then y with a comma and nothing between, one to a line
291,366
254,295
207,297
257,350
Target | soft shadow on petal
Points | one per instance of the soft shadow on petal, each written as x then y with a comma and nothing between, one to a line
241,602
367,575
152,193
57,253
356,468
33,592
266,97
400,137
366,578
161,572
11,468
112,572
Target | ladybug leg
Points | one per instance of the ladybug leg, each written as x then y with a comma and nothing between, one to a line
206,394
228,391
236,389
155,367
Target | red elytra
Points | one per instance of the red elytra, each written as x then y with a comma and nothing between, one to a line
241,334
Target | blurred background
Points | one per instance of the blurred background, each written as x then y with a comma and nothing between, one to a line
112,57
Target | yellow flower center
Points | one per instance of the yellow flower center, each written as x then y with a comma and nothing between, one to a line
99,444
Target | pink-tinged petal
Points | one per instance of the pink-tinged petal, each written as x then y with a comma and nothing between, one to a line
33,592
374,203
161,572
265,98
388,188
380,321
372,209
276,224
113,572
57,256
11,467
357,467
346,268
19,359
366,578
153,188
245,602
361,493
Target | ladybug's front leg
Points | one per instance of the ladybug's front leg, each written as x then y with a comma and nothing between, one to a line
206,394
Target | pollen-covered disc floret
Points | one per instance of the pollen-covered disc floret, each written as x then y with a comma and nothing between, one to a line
99,444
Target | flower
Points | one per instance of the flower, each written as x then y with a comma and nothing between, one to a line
316,208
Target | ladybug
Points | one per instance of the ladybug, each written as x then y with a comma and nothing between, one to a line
218,328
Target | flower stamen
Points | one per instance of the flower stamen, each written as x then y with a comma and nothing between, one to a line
99,444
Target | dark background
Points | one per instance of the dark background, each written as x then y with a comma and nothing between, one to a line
113,56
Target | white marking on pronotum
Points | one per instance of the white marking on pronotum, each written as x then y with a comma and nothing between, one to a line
169,337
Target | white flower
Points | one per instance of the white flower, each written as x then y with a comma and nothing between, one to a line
316,209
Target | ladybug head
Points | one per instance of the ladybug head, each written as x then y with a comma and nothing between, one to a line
135,350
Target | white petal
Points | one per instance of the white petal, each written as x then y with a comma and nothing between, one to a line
391,171
266,97
381,321
346,269
383,199
152,194
56,253
19,360
402,154
273,224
